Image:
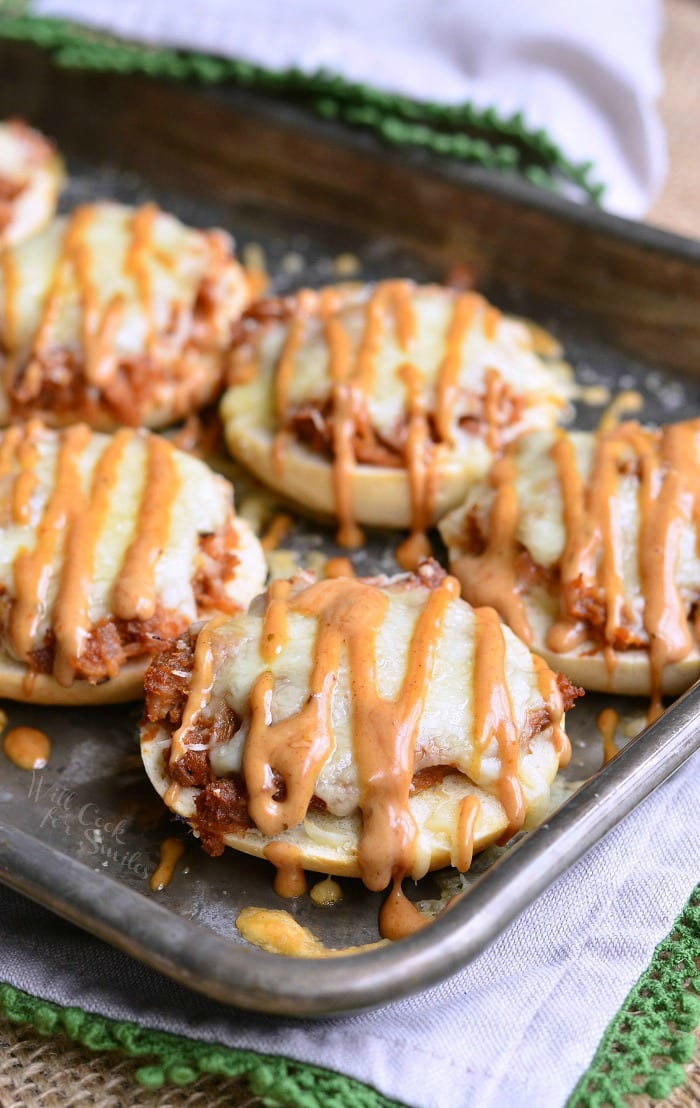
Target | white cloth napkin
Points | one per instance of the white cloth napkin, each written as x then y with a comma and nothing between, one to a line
586,72
515,1029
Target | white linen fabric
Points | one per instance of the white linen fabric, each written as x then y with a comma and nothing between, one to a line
514,1029
588,73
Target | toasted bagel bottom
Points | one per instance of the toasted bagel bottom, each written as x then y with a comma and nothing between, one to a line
381,495
328,844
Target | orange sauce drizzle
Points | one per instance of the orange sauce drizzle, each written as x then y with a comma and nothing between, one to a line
551,694
418,465
607,723
10,441
290,880
469,810
339,567
71,619
26,747
274,628
398,917
493,714
490,578
134,594
448,374
26,479
667,505
277,530
492,317
136,260
625,403
31,576
171,851
76,227
201,685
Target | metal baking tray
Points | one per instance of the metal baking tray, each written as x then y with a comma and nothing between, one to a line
82,836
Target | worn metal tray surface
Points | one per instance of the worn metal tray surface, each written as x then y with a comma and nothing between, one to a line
82,835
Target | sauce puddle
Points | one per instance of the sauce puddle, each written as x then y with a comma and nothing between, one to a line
27,748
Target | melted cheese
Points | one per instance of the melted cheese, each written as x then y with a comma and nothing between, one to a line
108,526
112,284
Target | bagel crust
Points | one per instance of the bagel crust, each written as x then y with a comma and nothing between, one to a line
31,176
380,404
117,316
111,546
587,543
375,728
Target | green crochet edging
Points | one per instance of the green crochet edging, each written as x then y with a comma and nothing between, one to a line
480,136
280,1082
647,1044
643,1050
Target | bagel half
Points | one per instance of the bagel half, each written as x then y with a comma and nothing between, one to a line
376,727
116,316
380,404
31,177
587,543
111,546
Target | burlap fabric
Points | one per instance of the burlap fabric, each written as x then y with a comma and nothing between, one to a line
56,1073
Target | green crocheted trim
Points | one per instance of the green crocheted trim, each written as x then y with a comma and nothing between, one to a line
643,1050
651,1038
481,136
280,1082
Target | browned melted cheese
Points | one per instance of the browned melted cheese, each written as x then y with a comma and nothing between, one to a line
668,498
69,529
282,759
352,378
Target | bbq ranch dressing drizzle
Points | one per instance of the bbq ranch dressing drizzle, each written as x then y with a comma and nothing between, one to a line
666,467
352,374
67,534
281,759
